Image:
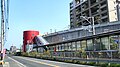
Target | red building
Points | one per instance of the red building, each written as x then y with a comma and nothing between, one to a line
28,37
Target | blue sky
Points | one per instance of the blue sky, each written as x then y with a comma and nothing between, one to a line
41,15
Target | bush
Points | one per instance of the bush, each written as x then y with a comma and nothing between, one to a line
83,63
77,62
24,54
104,64
68,61
91,63
114,65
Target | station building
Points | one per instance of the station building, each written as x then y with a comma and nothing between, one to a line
79,41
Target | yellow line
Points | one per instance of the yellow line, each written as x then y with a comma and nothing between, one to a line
40,62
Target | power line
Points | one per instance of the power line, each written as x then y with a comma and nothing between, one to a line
6,19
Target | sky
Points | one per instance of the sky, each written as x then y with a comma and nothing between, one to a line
40,15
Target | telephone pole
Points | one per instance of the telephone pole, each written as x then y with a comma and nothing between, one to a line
2,27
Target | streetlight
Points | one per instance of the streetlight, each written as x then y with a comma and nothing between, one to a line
90,22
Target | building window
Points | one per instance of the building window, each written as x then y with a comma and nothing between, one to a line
114,2
83,45
77,1
66,46
73,46
69,46
78,45
32,34
114,42
90,45
105,43
62,47
57,47
98,44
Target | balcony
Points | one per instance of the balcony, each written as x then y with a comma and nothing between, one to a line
103,6
92,2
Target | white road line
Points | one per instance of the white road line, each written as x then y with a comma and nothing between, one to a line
6,64
31,59
20,64
40,62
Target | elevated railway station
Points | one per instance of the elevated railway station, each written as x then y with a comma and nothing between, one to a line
81,43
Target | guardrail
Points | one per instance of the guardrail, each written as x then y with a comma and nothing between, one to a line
91,60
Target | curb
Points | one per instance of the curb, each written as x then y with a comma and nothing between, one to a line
2,62
6,64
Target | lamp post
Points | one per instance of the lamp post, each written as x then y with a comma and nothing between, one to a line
90,22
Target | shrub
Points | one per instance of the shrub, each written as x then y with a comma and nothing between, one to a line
91,63
24,54
104,64
114,65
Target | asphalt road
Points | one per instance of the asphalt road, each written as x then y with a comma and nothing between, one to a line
18,61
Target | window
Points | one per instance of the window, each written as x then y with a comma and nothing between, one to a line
32,34
77,1
105,43
66,46
90,45
62,47
78,45
73,46
69,46
98,44
57,47
83,44
114,42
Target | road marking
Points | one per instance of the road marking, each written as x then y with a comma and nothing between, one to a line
62,63
6,64
20,64
40,62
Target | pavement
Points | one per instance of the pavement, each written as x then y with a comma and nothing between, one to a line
18,61
6,64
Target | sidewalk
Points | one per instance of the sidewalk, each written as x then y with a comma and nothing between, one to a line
6,64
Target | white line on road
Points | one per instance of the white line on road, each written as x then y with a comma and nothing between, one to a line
20,64
6,64
46,62
40,62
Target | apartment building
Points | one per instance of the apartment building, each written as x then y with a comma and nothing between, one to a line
103,11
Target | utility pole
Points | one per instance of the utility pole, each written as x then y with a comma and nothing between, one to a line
2,27
93,25
92,22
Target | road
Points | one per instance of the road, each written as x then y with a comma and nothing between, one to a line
18,61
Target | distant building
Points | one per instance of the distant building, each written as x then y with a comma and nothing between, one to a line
103,11
13,49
